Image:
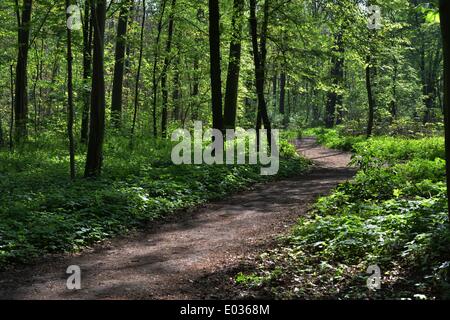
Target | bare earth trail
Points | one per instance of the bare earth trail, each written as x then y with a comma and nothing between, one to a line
166,262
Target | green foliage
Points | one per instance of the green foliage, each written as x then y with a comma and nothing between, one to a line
393,214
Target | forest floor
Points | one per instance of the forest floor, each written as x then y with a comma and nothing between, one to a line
187,257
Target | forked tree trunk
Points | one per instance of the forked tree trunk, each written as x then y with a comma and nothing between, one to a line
97,122
259,59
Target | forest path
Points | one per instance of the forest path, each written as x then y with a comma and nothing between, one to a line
167,261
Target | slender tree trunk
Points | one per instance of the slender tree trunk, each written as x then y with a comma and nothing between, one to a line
444,7
97,122
21,95
116,101
216,77
164,91
11,121
370,97
88,26
176,93
138,74
394,91
282,92
334,100
275,91
259,59
195,89
70,111
155,66
234,65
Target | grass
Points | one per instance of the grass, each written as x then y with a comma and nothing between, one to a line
393,214
42,211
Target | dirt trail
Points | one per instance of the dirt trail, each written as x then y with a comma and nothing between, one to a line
165,262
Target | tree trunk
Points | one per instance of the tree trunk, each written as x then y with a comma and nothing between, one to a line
370,97
282,92
195,89
97,123
215,73
164,91
258,59
394,92
444,7
334,99
138,74
155,66
234,65
11,120
176,93
21,96
116,102
70,111
87,69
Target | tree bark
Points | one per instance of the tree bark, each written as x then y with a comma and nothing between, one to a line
155,66
195,89
11,120
215,72
259,59
87,69
370,97
444,7
97,122
21,95
117,91
282,92
234,65
164,90
138,74
70,111
334,99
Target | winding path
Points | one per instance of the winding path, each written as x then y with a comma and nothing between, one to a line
166,261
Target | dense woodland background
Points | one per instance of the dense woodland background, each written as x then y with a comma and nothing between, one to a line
100,101
320,61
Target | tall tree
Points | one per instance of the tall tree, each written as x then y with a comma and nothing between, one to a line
167,58
88,28
444,8
97,117
215,72
370,97
155,66
116,101
259,58
334,99
21,95
138,74
70,110
234,64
